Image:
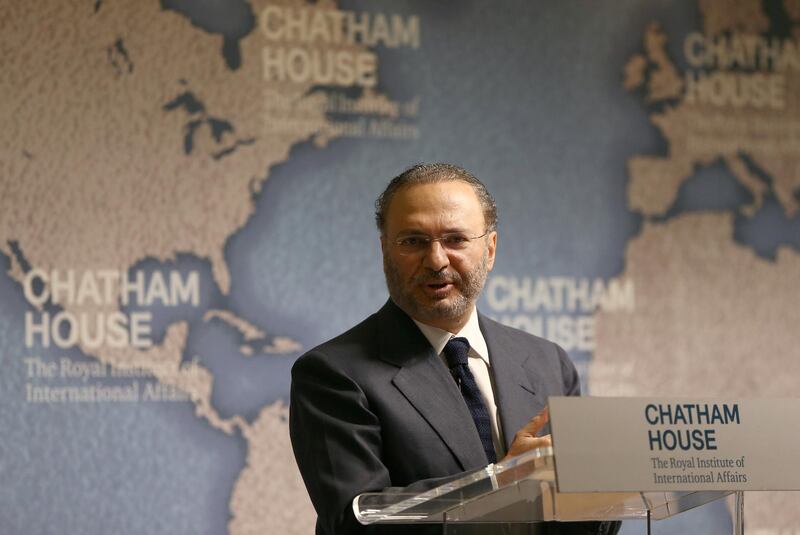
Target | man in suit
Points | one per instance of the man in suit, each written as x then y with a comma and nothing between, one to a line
378,407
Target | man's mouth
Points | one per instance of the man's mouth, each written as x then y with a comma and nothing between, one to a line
438,289
437,285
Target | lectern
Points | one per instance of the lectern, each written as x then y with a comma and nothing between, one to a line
521,490
664,456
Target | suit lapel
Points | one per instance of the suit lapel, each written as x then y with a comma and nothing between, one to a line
427,384
519,396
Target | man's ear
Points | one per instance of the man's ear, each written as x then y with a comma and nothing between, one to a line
383,244
491,248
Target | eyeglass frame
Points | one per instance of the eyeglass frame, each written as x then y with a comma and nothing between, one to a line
428,240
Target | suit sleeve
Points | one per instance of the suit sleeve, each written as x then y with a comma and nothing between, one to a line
336,441
337,444
572,382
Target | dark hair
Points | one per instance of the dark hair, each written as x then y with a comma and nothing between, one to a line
433,173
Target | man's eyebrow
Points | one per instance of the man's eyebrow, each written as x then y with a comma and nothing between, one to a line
412,231
419,232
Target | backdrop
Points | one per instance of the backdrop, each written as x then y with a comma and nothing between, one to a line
186,206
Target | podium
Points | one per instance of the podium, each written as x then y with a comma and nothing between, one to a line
523,490
665,456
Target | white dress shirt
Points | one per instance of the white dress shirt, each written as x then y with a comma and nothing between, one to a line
479,365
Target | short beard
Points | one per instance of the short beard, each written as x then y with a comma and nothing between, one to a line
468,289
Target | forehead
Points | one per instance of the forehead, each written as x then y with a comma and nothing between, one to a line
436,207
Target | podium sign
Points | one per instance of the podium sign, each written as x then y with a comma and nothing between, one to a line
675,444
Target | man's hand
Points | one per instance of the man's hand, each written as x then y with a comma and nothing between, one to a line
526,438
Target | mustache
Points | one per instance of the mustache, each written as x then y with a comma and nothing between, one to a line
444,276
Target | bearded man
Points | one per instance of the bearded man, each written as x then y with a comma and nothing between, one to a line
426,388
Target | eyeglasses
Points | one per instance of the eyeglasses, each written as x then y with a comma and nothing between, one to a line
419,243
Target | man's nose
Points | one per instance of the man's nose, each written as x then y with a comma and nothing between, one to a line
436,257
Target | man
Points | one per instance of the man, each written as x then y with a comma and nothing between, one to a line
378,407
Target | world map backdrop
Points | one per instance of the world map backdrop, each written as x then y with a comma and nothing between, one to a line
186,206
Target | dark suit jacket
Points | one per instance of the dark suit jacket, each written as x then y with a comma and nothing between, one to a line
376,408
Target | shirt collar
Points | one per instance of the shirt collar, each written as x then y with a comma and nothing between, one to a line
438,338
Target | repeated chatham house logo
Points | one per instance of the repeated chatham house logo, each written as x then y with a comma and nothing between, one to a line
558,308
101,289
88,309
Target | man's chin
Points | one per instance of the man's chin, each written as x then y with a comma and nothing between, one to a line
441,309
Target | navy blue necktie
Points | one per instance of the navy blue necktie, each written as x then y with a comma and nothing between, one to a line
456,351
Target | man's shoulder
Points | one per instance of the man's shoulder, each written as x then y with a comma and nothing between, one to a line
366,332
510,335
362,342
546,358
359,338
